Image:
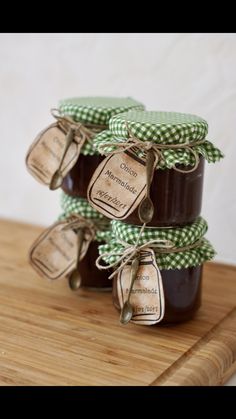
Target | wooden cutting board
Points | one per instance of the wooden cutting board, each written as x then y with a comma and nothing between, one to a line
51,336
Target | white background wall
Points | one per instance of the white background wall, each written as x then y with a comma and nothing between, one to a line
193,73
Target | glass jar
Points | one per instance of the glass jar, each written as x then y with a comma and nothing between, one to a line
178,142
171,258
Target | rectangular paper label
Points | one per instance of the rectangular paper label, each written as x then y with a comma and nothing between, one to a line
44,155
54,253
147,296
118,185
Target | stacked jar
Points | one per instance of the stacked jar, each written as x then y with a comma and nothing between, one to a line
64,156
151,185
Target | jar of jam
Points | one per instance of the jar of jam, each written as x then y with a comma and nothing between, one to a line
91,277
90,111
179,146
175,255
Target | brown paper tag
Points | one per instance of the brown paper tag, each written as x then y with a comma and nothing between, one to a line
118,185
54,253
147,296
44,155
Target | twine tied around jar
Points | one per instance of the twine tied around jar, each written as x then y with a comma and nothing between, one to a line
133,143
131,254
77,222
131,251
85,131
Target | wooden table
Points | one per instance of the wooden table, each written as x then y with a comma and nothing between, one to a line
52,336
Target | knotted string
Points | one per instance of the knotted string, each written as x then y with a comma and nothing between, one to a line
85,131
130,251
134,144
76,222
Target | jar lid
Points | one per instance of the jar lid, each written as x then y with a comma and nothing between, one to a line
164,128
97,110
159,127
75,205
181,237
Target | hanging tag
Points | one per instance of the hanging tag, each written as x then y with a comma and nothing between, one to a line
147,296
46,152
54,253
118,185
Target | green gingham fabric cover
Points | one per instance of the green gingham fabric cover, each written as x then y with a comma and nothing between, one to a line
181,236
159,127
162,128
70,205
95,110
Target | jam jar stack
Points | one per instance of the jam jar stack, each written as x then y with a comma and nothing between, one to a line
64,156
157,246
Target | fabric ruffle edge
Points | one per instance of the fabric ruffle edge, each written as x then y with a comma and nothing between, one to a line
186,259
171,157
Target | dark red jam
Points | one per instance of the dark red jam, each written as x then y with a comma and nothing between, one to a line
91,276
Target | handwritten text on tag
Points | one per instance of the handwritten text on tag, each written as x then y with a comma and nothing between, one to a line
54,253
147,296
118,185
44,155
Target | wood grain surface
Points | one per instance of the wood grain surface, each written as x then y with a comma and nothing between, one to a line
51,336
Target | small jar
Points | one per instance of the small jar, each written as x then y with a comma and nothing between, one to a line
90,111
181,269
91,277
181,148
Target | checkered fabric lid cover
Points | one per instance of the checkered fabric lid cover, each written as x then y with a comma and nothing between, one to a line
181,236
96,110
159,127
162,128
70,205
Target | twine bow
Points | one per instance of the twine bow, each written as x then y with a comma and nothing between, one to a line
134,144
83,132
131,251
77,222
